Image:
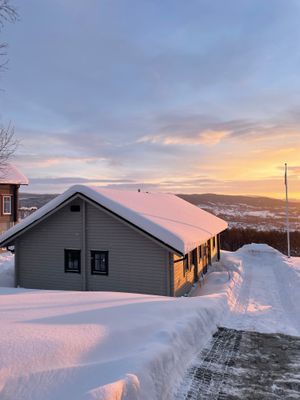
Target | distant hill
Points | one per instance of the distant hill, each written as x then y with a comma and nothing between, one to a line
35,199
250,219
38,200
207,198
242,212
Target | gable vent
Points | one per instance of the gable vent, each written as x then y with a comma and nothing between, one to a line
75,208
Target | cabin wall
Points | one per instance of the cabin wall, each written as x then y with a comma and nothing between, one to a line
40,251
182,280
136,263
186,272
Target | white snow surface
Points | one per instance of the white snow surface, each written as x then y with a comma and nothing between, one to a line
6,269
98,345
104,345
167,217
268,297
263,293
11,175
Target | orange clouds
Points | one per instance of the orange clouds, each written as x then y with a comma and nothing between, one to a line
207,138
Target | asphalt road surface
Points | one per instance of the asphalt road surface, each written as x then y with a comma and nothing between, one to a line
244,365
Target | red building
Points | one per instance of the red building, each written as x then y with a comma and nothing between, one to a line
10,180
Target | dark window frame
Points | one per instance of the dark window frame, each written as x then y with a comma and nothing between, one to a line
93,270
184,264
194,257
206,250
72,270
187,264
200,252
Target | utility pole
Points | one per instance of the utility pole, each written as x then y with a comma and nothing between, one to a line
287,210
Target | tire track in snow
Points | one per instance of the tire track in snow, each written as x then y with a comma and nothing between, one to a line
204,380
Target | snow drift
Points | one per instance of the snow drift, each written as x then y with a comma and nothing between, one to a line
103,345
99,345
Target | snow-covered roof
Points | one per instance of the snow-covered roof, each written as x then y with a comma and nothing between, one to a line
9,174
168,218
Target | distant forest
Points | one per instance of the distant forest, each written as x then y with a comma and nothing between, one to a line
232,239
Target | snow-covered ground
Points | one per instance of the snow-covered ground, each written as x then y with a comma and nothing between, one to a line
260,217
263,290
6,269
97,345
269,297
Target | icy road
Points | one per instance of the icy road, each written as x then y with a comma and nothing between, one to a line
250,358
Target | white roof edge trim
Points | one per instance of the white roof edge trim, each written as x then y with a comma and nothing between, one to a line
169,219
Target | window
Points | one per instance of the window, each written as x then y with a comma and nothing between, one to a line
72,261
214,242
200,252
99,262
185,264
6,205
194,257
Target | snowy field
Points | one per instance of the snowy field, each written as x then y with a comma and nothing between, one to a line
262,217
97,345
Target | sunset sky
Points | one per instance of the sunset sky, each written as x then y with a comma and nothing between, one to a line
177,96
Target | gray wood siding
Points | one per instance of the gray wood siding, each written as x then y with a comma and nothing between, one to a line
40,251
136,263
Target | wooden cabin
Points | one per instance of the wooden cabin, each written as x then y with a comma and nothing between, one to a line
10,180
91,238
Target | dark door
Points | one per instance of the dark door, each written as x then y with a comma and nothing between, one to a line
205,258
195,262
209,252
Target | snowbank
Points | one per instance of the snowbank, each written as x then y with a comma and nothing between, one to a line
103,345
98,345
6,269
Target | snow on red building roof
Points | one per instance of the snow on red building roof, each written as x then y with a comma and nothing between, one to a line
9,174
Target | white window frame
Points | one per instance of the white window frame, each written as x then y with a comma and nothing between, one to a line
3,204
